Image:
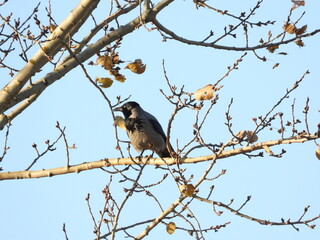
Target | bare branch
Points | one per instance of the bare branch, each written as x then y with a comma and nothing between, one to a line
150,161
261,221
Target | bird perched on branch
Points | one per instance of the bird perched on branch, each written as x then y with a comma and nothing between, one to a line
144,130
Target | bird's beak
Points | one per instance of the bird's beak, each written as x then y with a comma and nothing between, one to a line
118,109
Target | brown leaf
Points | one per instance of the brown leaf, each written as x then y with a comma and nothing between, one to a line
302,30
120,77
299,42
289,28
272,48
205,93
137,66
105,61
105,82
171,227
251,138
298,3
241,135
187,190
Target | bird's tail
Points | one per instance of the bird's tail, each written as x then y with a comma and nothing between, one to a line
167,152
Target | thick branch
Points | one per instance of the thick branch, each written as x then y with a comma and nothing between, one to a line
34,90
151,161
52,45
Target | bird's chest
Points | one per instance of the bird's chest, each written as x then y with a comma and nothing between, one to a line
142,134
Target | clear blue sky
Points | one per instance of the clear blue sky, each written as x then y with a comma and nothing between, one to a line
280,188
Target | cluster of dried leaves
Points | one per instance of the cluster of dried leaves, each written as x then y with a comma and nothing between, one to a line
291,28
110,62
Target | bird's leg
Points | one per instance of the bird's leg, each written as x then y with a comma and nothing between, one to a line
140,155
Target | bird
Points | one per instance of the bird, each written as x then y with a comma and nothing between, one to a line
144,130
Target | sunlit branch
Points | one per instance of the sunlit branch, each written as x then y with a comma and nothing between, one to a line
150,161
70,25
261,221
223,47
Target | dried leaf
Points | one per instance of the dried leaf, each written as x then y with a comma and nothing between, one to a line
116,59
241,135
251,138
298,3
187,190
302,30
318,153
119,122
171,227
137,66
105,61
299,42
272,48
120,77
105,82
205,93
275,66
289,28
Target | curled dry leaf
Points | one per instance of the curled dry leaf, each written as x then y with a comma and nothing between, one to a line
119,122
105,61
205,93
171,227
137,66
104,82
248,136
251,137
187,190
241,135
298,3
119,77
299,42
289,28
272,48
318,153
302,30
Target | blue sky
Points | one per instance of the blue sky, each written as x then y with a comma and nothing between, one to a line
280,188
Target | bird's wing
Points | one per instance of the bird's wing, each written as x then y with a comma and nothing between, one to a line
157,127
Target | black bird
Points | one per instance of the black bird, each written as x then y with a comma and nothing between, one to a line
144,130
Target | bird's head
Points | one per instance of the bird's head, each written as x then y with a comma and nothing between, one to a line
127,108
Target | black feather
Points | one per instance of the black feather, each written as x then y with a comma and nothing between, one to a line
133,124
156,125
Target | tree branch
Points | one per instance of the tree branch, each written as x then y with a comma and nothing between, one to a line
31,92
261,221
150,161
52,45
222,47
